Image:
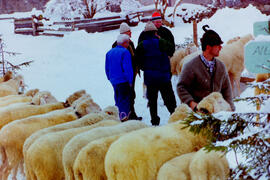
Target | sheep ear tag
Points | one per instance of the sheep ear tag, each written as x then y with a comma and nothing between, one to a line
257,56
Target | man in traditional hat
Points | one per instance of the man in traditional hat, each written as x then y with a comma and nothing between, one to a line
205,74
125,29
162,31
153,55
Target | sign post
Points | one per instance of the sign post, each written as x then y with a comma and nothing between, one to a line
261,28
257,53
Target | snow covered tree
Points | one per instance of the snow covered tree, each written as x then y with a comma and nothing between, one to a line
241,134
58,9
67,9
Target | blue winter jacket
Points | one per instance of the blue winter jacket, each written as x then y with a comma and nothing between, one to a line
154,61
118,65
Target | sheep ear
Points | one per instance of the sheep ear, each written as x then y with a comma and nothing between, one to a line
43,101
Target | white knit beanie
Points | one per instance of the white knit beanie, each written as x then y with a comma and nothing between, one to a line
124,28
121,38
150,26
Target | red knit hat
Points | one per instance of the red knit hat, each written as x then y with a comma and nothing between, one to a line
156,15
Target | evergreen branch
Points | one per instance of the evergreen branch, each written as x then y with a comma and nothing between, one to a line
231,135
11,53
256,100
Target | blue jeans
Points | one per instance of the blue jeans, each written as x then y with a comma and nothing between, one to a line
122,97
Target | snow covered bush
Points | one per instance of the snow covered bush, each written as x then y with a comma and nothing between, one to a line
58,9
66,9
130,5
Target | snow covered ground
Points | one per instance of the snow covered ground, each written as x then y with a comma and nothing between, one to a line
76,61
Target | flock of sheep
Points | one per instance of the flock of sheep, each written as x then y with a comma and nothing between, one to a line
49,140
45,139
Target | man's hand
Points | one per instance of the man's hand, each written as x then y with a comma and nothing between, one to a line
193,105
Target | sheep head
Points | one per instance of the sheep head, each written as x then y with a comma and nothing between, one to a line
73,97
43,97
180,113
86,106
80,99
213,103
112,112
32,92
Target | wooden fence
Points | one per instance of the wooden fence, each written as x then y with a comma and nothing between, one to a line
34,26
27,26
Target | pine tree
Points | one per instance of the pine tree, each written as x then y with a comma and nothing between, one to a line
7,65
240,133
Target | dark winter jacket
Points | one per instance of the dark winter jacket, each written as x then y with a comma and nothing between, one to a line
118,65
164,33
152,54
195,82
131,49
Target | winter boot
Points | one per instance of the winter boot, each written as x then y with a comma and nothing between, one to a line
155,121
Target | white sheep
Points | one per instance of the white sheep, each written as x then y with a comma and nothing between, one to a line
13,135
139,154
232,55
212,166
230,41
11,86
12,99
22,110
180,113
176,168
179,55
85,105
74,146
196,165
213,103
43,159
89,163
76,95
43,97
110,112
38,98
31,92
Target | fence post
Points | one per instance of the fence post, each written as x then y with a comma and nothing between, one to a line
73,26
195,33
34,27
